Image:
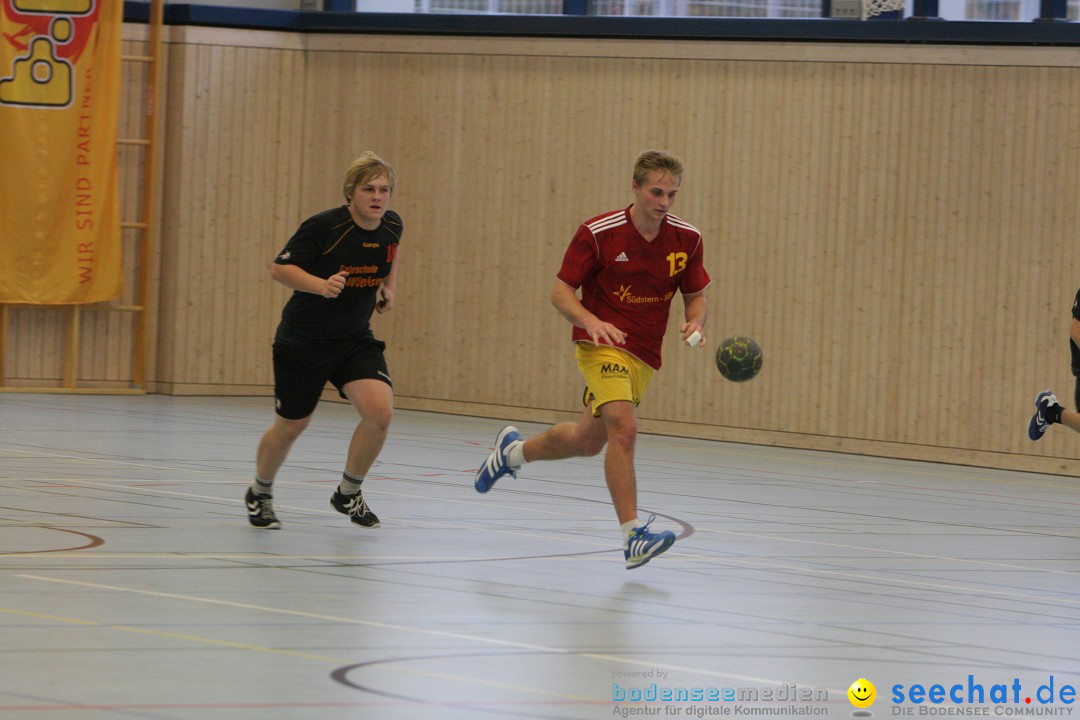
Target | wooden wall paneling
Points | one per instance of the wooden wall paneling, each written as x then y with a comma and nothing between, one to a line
285,120
881,227
883,198
35,334
231,141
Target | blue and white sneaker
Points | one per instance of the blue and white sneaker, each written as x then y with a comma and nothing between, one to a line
642,545
1038,424
497,463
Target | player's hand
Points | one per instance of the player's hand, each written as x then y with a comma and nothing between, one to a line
606,332
384,299
334,285
689,328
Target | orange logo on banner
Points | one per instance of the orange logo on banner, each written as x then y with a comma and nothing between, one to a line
59,99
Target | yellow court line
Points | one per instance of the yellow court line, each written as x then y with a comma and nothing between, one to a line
175,636
102,462
421,631
44,616
299,613
228,644
294,653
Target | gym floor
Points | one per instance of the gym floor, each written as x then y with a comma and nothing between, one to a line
132,586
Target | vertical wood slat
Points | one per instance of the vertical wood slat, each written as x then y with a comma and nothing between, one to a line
148,206
4,328
71,348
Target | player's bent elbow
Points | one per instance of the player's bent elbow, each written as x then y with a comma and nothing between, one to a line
561,294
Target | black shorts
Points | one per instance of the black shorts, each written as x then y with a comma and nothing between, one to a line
301,371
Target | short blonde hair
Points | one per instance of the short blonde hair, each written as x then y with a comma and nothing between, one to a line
365,167
657,160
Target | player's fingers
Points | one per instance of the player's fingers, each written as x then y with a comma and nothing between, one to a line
617,336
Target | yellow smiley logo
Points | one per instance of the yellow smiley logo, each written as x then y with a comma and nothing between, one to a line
862,693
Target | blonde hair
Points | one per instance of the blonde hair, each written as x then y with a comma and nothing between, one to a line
365,167
657,160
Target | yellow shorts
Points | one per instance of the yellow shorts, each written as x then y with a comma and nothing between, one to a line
611,374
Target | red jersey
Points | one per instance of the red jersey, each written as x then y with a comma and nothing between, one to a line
629,282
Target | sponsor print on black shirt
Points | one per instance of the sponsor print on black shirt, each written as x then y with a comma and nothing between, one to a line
329,243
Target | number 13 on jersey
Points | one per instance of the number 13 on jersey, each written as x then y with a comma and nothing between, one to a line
676,263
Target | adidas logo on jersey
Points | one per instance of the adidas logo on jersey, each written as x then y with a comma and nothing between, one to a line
622,258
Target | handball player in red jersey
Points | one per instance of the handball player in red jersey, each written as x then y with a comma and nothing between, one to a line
628,265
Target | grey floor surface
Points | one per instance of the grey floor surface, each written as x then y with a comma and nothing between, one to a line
131,585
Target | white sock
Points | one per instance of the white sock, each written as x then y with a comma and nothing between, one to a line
515,456
350,484
262,487
628,527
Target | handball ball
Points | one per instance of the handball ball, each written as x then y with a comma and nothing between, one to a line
738,358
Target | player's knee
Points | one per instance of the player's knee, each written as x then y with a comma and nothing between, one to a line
623,440
378,418
288,430
622,427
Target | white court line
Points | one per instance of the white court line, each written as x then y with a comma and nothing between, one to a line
703,559
291,653
597,543
888,580
421,631
919,556
546,536
100,461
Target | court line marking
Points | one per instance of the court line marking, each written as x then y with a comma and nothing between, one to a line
420,631
173,636
291,653
585,539
319,511
921,556
888,580
105,461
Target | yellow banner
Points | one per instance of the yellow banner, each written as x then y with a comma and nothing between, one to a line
59,97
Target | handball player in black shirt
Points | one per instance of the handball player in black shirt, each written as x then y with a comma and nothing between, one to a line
341,266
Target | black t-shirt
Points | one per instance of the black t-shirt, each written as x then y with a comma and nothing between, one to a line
1072,345
326,244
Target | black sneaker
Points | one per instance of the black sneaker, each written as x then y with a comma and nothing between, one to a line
261,511
355,507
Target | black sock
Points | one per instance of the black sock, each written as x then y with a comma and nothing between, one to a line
1053,414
